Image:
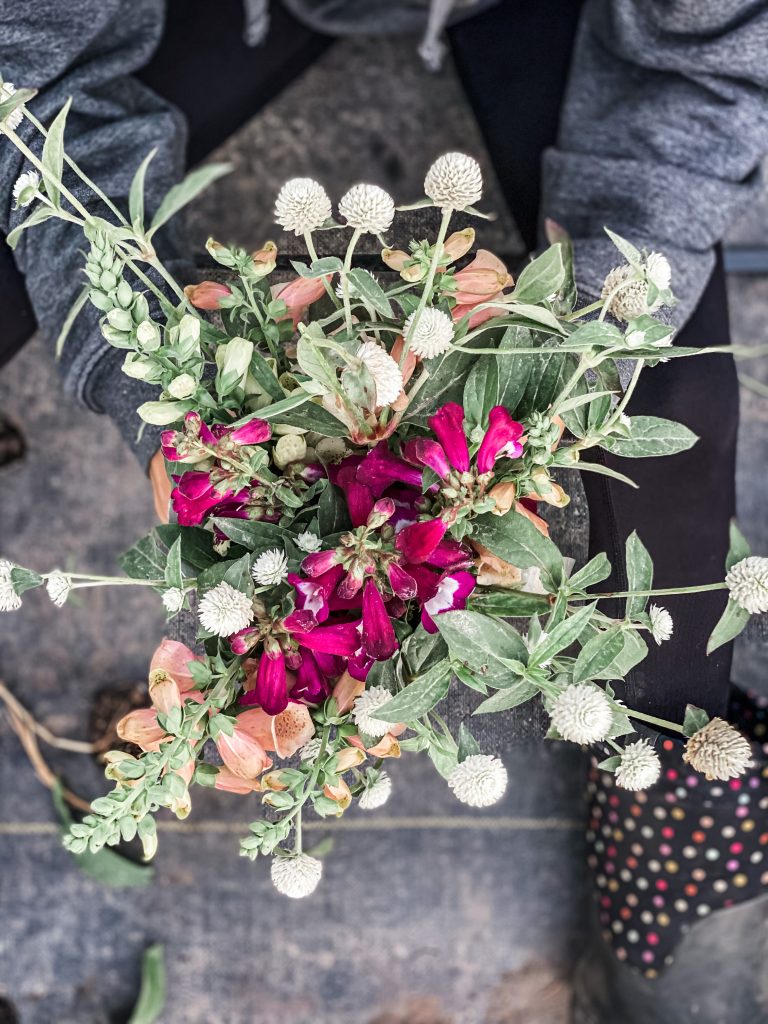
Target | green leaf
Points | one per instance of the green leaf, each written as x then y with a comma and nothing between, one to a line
627,250
236,572
38,215
597,654
383,673
443,758
563,635
518,693
423,650
173,574
418,697
314,364
514,370
252,534
468,745
537,316
596,334
306,414
16,100
53,154
483,645
595,571
69,320
731,623
24,579
651,436
332,512
136,194
445,384
695,719
319,268
196,544
508,603
738,547
187,190
152,993
639,574
145,560
262,373
548,372
542,277
631,654
371,292
515,539
585,466
481,392
610,764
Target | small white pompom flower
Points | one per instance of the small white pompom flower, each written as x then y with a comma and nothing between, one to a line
454,181
640,766
433,334
225,610
384,370
662,625
582,713
364,711
631,299
58,586
308,541
747,582
14,119
302,205
367,208
173,600
9,599
480,780
718,751
658,270
25,188
270,568
377,794
296,876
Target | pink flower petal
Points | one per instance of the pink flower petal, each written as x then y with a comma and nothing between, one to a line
448,425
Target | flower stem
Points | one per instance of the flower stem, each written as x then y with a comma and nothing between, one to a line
345,279
429,282
662,723
310,244
665,592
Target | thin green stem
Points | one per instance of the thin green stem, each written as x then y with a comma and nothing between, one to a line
310,244
345,279
665,592
429,281
662,723
24,149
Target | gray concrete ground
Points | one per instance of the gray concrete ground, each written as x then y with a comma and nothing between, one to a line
428,914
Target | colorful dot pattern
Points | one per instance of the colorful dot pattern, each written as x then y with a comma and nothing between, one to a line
665,858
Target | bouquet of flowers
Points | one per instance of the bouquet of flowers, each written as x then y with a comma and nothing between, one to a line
360,470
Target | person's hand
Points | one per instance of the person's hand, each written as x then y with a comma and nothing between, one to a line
161,486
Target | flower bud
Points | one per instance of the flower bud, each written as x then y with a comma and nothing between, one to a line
289,448
120,319
183,386
233,359
349,757
160,414
148,336
264,260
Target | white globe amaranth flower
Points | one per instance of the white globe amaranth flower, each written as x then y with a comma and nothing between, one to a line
658,271
9,599
640,766
480,780
454,181
173,600
308,541
386,374
433,333
718,751
368,208
270,568
14,119
377,794
364,711
582,713
58,586
631,294
662,626
311,749
223,610
26,187
302,205
296,876
747,583
289,448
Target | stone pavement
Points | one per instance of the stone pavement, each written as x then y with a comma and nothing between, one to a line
428,914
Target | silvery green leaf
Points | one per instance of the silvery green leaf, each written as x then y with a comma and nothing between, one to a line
38,215
468,745
136,194
256,535
514,370
596,334
537,315
731,623
584,399
18,99
481,392
151,1000
738,547
632,653
515,539
639,574
695,719
422,650
508,603
602,470
53,154
595,571
610,764
23,580
173,574
69,320
597,654
162,414
264,376
418,697
332,512
484,645
542,277
320,268
236,572
314,363
563,635
627,250
145,560
371,292
512,696
187,190
651,436
384,673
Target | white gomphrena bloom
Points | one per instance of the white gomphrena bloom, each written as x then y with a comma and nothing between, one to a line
367,208
308,541
364,711
14,119
385,372
58,586
718,751
582,713
223,610
454,181
270,568
658,271
173,600
302,205
747,582
377,794
9,599
631,299
480,780
433,333
25,188
640,766
662,626
296,876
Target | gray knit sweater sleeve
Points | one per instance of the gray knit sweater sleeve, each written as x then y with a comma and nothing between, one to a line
662,130
88,50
